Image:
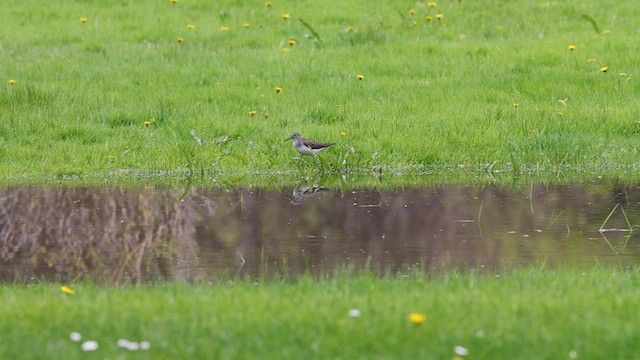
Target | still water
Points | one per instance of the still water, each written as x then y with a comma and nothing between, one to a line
118,235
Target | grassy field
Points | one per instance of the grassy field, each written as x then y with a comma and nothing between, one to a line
106,87
142,92
526,314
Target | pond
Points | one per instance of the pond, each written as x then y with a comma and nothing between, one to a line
116,235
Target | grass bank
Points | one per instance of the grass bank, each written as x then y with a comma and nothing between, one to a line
526,313
102,87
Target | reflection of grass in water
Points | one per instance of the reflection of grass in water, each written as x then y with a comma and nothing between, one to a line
603,230
624,214
528,313
553,219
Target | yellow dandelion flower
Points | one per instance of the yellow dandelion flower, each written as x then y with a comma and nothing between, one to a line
174,1
224,28
279,90
83,20
349,29
147,123
571,47
180,40
359,76
292,42
246,25
428,18
412,12
343,133
286,16
417,318
68,290
439,16
12,82
191,26
623,74
560,113
432,4
516,105
591,60
604,69
268,4
252,113
606,32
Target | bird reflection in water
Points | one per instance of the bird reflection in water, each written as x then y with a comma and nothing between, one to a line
305,191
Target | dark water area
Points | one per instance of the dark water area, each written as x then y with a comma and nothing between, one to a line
113,235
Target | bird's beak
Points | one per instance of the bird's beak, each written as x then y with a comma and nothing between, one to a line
289,138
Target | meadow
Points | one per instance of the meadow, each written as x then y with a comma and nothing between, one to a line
104,89
524,314
143,92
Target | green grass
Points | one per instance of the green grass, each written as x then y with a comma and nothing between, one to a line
524,314
435,93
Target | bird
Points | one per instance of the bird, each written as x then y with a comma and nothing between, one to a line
306,146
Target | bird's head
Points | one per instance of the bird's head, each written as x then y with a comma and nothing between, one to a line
294,135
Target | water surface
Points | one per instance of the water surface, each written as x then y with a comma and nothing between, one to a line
137,235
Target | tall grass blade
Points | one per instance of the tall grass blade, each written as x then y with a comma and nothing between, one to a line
624,213
187,188
324,162
478,220
531,198
553,220
602,229
311,30
515,165
593,22
626,219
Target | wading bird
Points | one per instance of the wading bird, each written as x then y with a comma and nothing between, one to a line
306,146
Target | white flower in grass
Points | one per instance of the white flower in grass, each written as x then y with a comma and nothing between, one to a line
90,345
133,346
461,351
123,343
354,313
75,336
129,345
